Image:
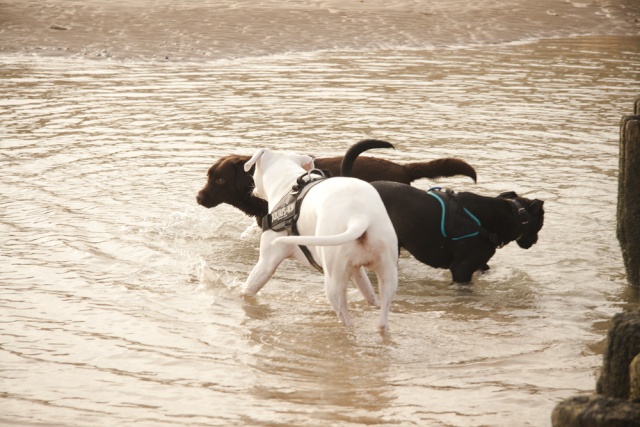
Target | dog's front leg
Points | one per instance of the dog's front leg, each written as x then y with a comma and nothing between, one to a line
364,284
258,277
463,267
270,258
461,273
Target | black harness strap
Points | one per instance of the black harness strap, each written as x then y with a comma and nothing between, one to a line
286,213
305,250
492,237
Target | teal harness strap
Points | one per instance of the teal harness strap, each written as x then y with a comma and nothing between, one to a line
477,221
444,209
433,193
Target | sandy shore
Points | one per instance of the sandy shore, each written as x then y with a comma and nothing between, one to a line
193,30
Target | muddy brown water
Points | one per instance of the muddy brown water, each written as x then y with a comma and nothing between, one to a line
120,296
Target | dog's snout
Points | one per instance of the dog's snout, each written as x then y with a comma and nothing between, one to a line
204,198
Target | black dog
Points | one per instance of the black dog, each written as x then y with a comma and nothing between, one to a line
460,231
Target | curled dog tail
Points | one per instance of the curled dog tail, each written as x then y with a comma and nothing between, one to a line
358,148
356,227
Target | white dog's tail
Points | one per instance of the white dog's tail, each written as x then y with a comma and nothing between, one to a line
355,229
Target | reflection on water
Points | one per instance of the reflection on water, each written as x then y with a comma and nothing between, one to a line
120,298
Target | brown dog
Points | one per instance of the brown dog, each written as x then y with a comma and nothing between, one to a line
227,182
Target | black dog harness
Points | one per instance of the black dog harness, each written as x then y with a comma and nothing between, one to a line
457,222
286,213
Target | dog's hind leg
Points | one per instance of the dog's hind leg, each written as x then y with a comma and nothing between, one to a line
360,278
335,286
387,287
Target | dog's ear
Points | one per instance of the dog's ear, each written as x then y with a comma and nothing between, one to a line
252,161
309,164
244,179
241,168
306,162
508,195
536,206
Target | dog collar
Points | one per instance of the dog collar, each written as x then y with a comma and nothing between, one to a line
522,212
523,215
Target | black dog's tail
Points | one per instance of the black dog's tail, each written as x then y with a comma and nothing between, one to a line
358,148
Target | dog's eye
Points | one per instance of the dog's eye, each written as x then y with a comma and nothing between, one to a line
217,180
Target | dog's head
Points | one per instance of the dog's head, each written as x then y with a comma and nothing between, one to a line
531,217
227,182
266,161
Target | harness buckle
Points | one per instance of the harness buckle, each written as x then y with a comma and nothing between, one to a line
522,213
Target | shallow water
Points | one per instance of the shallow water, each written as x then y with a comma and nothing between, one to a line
120,295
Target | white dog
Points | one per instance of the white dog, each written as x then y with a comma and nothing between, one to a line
345,224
